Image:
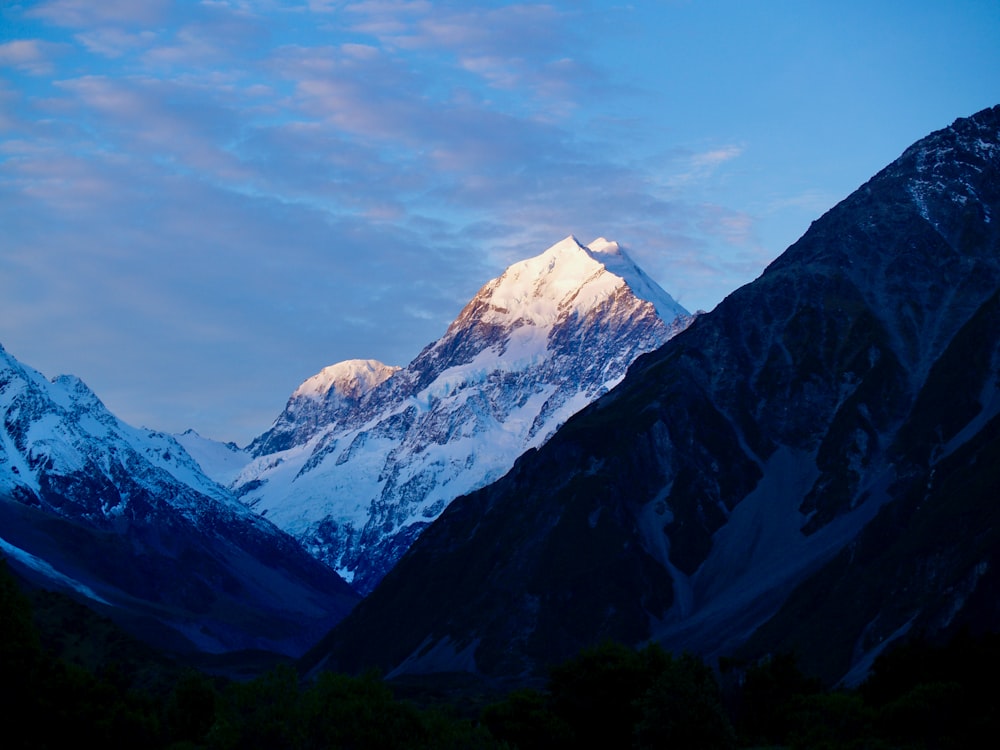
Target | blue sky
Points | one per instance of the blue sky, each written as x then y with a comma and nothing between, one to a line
204,203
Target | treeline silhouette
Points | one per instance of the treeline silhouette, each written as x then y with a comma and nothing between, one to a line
917,695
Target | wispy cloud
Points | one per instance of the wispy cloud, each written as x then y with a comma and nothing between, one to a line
160,120
688,166
218,33
526,47
715,157
114,42
81,13
32,56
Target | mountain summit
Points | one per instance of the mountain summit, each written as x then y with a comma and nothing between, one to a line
356,476
567,279
320,401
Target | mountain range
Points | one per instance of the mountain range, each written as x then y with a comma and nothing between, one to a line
126,521
810,466
173,536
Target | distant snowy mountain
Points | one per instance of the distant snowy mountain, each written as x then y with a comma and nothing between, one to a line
366,456
325,398
223,462
125,518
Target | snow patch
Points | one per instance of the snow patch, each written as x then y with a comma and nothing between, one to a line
443,655
39,565
352,378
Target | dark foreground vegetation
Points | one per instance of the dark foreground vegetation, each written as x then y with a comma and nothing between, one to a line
62,693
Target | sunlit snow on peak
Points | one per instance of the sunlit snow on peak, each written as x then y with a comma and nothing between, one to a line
569,278
351,378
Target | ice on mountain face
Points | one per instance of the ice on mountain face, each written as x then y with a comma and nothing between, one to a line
357,481
47,571
220,461
945,165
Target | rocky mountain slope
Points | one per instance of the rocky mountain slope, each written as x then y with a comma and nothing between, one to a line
817,454
365,456
125,520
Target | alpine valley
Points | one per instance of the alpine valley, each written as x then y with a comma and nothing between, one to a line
812,466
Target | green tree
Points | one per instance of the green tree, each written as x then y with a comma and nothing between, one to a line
20,652
525,719
262,714
191,708
343,711
683,708
772,690
596,693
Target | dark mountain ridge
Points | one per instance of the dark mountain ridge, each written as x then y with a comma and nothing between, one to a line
746,459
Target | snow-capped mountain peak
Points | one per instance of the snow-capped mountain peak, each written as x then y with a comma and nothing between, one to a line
321,401
540,289
611,255
357,473
568,278
351,378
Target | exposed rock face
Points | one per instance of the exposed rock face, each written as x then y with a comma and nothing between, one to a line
126,520
358,475
816,413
